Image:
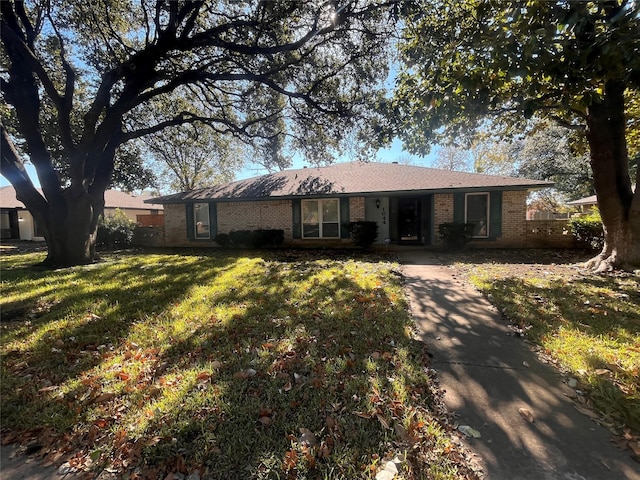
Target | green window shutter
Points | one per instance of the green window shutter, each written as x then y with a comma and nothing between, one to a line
344,217
297,218
458,207
190,226
213,220
495,215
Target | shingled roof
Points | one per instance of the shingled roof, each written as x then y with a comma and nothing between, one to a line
350,179
112,199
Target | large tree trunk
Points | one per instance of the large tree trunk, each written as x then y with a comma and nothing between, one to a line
70,229
619,210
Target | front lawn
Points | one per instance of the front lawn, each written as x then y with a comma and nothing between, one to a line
588,325
225,365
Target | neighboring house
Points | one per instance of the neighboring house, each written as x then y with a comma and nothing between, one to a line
17,222
589,204
314,205
585,205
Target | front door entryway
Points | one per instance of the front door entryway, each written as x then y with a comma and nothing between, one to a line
409,220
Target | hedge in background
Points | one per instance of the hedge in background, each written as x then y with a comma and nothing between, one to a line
588,231
114,231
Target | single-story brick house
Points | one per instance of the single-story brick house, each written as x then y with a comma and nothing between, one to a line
313,205
17,223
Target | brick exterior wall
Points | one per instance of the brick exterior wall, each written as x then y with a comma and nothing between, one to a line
356,209
175,227
549,234
276,214
514,219
443,212
516,230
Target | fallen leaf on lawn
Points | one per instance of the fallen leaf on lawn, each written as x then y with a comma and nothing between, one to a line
331,423
362,415
290,460
287,387
123,376
105,397
382,421
309,457
266,421
602,371
101,423
323,451
526,414
153,441
49,389
265,412
203,377
635,448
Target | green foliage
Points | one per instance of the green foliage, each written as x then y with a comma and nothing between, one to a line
268,238
466,60
455,235
280,77
223,239
252,238
115,231
588,231
546,153
363,233
241,238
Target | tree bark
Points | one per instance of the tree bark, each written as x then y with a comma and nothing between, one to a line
619,210
70,229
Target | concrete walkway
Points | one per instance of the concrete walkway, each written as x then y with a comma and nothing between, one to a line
483,369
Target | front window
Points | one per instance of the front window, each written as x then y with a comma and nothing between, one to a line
321,218
201,220
477,213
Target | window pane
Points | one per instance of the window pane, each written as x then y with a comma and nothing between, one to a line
201,219
310,230
330,230
477,214
310,212
330,210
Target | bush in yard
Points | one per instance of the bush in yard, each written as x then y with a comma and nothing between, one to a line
254,238
267,238
114,231
588,231
363,233
241,238
455,235
223,239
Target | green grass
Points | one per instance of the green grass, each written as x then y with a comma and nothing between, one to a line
589,325
236,366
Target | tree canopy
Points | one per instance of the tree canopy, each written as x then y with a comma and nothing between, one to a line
190,157
576,63
83,79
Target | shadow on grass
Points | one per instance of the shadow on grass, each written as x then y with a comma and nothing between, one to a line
216,361
592,325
